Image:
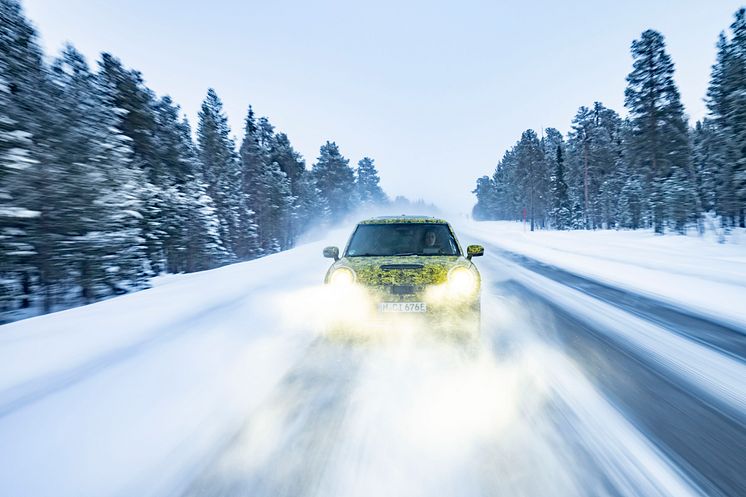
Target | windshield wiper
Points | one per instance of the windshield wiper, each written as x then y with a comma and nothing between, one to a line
402,254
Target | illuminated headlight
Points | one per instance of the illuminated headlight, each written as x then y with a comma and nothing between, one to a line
342,276
461,281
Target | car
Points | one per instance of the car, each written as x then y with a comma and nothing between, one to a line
413,267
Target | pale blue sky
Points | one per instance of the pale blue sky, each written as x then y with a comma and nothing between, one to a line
433,91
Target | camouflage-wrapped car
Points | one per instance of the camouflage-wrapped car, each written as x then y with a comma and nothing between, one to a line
414,267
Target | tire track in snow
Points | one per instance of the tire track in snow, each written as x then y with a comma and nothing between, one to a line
284,446
689,426
723,337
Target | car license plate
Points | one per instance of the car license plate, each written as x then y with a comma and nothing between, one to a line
402,307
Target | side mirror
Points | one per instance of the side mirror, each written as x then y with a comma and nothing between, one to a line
474,251
331,253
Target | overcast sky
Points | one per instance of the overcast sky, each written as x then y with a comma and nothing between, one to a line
433,91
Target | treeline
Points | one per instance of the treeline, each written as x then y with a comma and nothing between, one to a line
647,170
103,186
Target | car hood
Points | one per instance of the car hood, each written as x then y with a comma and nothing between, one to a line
404,270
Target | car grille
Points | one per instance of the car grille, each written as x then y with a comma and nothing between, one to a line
405,289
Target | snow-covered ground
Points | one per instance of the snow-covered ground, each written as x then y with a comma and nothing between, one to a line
218,383
119,397
696,273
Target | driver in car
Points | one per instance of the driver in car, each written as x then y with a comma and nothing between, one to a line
431,243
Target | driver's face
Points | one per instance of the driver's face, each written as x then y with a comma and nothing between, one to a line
430,238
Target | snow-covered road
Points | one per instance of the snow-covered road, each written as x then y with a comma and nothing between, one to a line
219,384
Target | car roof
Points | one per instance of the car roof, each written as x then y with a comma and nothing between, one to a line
404,219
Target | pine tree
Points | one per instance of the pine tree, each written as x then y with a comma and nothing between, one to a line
25,215
707,161
312,208
533,178
659,140
726,101
253,184
632,205
485,208
266,185
277,188
135,105
561,213
15,154
505,192
223,175
97,162
369,191
190,242
280,210
15,160
335,180
678,192
594,146
718,89
292,164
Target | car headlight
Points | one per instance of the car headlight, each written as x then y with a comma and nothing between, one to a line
461,281
342,276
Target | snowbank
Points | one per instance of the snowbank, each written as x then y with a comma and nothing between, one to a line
695,273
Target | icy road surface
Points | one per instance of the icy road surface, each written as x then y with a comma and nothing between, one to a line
219,384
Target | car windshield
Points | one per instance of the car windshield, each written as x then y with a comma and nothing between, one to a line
402,239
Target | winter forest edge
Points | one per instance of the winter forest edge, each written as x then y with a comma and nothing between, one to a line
648,170
103,183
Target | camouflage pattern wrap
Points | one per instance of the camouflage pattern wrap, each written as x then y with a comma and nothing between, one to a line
434,270
425,277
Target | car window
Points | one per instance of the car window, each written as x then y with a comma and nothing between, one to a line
402,239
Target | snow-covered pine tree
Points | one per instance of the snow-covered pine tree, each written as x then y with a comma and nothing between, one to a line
89,169
189,240
135,105
369,192
30,112
75,190
335,180
485,207
312,208
533,179
593,149
551,142
253,187
274,190
726,101
292,164
659,141
679,198
561,208
175,171
631,207
578,143
280,207
205,248
708,162
258,176
223,175
15,159
504,179
290,161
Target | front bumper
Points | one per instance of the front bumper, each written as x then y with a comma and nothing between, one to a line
444,315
